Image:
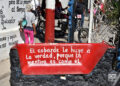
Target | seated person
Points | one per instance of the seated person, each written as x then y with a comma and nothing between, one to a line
59,9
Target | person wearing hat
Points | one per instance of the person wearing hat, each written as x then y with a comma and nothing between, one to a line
29,25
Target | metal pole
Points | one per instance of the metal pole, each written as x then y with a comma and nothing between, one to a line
70,27
89,4
90,22
35,3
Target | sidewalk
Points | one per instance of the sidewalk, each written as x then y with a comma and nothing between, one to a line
4,68
5,65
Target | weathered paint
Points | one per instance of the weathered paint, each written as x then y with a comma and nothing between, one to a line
50,21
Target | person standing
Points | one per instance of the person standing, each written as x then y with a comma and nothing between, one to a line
29,28
80,9
59,9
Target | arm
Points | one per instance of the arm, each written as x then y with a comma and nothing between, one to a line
20,26
33,24
84,11
34,29
60,5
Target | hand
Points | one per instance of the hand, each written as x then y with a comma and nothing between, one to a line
66,7
21,29
35,33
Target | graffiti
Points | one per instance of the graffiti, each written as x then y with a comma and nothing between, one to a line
20,9
1,12
2,16
13,43
9,10
11,2
8,21
4,20
3,45
3,39
14,5
23,1
8,40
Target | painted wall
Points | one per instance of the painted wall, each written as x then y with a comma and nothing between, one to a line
11,11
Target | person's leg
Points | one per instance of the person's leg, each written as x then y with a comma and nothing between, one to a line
31,34
82,20
94,18
26,36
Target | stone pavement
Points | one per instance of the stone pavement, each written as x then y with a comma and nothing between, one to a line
4,68
4,72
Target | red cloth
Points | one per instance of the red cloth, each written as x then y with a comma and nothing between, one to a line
102,7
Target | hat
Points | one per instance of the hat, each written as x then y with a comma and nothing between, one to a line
28,7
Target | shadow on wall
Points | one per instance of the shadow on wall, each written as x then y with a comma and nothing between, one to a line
22,36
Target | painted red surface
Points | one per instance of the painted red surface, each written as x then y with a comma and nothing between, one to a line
50,25
61,58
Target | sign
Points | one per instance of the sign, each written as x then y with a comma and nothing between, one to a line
59,58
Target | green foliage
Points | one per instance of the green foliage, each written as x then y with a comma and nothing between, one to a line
112,10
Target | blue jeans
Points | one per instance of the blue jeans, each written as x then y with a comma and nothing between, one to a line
82,20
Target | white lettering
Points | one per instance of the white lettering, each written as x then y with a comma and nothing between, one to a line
76,50
59,56
28,57
32,50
